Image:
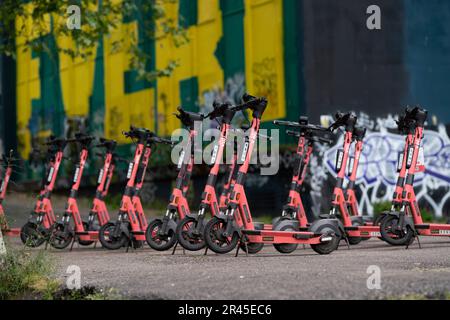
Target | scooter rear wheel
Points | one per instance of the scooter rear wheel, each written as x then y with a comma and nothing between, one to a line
390,234
355,240
156,241
252,248
285,248
330,246
30,236
184,232
110,242
215,240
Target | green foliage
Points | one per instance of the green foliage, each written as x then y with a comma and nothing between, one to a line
380,207
418,296
24,273
97,21
86,293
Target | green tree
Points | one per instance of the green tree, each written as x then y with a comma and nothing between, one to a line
32,20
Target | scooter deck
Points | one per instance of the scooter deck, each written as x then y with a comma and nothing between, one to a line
363,231
11,232
279,237
433,229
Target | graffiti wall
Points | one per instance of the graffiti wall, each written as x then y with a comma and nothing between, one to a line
377,175
229,52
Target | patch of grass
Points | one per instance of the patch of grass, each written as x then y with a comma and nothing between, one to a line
24,273
418,296
380,207
86,293
264,219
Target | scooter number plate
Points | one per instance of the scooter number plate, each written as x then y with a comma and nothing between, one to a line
375,234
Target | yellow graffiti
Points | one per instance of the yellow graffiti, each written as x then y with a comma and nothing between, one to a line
264,61
264,71
195,59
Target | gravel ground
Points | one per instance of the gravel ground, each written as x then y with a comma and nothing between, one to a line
147,274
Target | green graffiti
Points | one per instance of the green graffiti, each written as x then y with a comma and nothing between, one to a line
189,93
188,13
145,43
48,111
230,50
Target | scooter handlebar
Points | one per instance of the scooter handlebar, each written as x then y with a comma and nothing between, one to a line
156,139
348,120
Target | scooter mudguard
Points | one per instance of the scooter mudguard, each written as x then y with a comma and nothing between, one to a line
33,219
171,224
275,221
193,216
408,221
358,220
286,221
125,229
316,225
230,223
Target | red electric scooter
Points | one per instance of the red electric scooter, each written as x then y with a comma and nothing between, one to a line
63,234
35,232
190,229
98,215
161,232
129,229
6,230
224,231
403,226
294,214
354,227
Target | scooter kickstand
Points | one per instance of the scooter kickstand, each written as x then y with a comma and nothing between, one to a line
347,242
174,248
418,241
206,251
71,245
128,245
237,251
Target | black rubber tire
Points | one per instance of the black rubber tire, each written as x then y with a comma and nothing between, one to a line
82,242
183,238
212,235
402,240
30,236
327,247
155,241
252,248
111,243
60,239
355,240
286,248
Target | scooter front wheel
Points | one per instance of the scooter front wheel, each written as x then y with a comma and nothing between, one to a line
329,246
157,241
108,241
31,236
60,237
215,238
187,236
392,235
